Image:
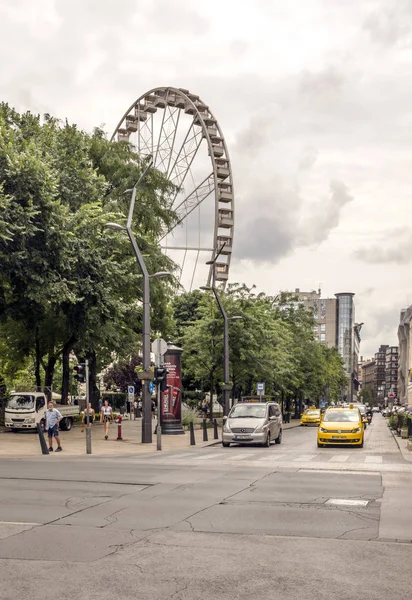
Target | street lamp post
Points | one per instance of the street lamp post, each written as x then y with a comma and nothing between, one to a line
226,377
146,395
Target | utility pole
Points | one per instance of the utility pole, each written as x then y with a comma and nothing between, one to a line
88,429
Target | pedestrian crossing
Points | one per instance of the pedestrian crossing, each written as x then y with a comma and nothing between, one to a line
265,459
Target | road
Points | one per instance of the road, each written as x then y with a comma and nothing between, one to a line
290,521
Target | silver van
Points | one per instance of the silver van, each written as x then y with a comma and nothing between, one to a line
253,423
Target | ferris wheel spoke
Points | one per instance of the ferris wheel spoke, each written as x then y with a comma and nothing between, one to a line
192,201
186,155
167,136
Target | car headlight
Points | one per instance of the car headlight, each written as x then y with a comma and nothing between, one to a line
8,420
357,430
226,428
31,420
323,430
261,429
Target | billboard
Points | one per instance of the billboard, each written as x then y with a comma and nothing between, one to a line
171,399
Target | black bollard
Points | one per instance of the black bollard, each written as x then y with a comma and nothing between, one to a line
215,434
192,435
44,448
204,431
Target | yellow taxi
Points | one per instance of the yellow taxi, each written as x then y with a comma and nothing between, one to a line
311,416
341,425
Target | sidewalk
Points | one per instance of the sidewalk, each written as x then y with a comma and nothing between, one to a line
407,454
19,445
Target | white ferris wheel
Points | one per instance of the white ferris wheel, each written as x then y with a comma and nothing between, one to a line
182,135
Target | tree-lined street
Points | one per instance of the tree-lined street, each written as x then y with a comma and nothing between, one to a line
278,520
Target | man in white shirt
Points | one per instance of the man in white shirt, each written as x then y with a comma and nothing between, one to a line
53,418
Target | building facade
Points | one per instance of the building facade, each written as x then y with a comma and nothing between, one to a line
405,357
380,374
391,374
335,326
368,375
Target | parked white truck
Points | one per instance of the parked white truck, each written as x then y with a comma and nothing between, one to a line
24,410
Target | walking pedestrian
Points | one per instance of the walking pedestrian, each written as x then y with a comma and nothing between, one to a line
53,418
204,408
106,417
90,411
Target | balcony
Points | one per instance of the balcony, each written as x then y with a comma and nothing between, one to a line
225,218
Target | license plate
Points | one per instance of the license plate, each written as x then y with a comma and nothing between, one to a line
339,437
242,437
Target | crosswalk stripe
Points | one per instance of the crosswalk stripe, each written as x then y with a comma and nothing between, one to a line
339,458
242,456
208,456
373,459
305,457
270,458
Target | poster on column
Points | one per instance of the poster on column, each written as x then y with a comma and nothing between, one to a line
171,398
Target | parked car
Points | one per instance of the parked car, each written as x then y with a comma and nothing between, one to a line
253,423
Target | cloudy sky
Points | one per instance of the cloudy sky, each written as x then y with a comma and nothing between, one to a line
314,98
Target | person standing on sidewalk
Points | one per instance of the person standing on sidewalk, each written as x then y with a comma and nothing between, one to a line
89,410
53,418
106,416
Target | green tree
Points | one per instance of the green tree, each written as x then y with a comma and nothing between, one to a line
66,282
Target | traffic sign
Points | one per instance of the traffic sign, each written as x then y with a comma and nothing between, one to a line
260,388
130,391
151,387
391,395
159,349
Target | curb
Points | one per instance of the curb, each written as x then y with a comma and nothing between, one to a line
405,453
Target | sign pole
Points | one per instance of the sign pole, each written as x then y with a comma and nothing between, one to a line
88,428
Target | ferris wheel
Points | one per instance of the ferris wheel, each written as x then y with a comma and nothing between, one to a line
186,142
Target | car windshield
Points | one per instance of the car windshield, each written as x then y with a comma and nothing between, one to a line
312,412
245,411
20,402
341,416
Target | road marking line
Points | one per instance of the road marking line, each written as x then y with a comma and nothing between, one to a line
346,502
208,456
17,523
242,456
305,458
373,459
270,458
339,472
339,458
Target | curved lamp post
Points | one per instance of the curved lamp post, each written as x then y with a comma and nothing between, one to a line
226,387
146,395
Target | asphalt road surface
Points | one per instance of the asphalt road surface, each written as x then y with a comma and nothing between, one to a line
290,521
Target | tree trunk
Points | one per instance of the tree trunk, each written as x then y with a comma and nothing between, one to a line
48,377
67,348
93,389
38,361
211,394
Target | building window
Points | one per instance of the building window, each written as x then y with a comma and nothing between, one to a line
323,327
323,337
323,309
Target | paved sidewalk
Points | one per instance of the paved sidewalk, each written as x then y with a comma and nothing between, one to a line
19,445
407,454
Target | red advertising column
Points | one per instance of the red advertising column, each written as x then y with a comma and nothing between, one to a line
171,399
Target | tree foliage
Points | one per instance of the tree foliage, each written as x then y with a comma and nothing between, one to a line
67,283
273,342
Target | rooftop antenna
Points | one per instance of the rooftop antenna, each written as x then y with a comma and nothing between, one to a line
320,289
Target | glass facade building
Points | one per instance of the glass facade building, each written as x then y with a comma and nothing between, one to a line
348,339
